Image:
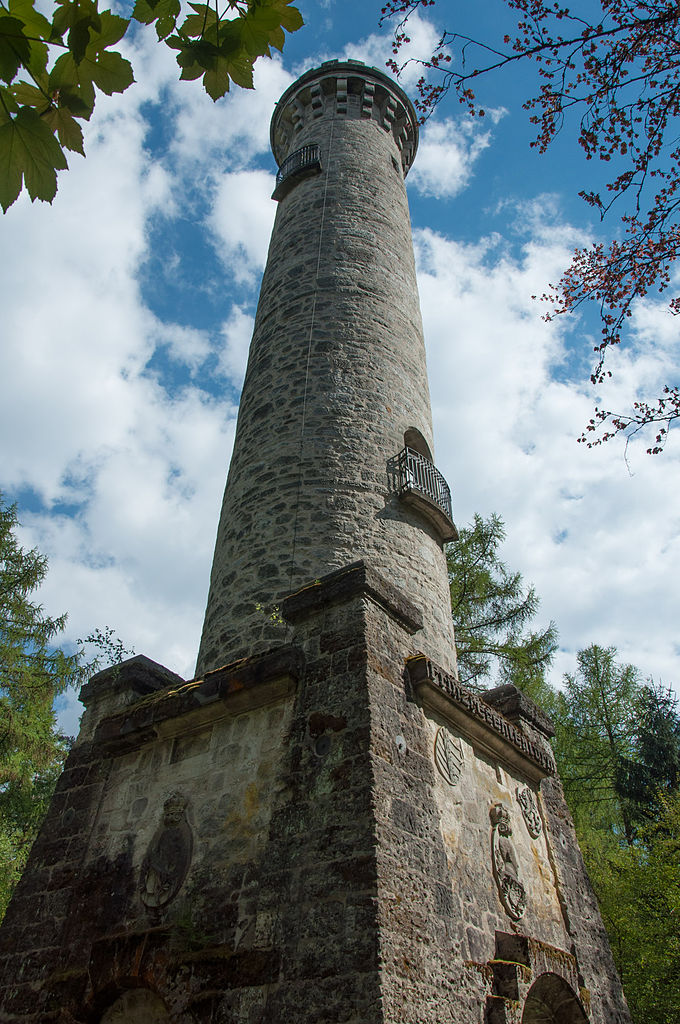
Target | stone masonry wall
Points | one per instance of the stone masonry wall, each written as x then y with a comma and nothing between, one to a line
338,862
336,376
276,918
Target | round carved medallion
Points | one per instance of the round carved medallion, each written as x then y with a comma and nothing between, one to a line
448,756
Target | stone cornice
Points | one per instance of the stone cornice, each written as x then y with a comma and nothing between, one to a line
240,686
477,721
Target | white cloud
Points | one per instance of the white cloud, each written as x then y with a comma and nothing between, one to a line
601,546
229,133
185,344
237,332
376,49
241,221
90,428
446,154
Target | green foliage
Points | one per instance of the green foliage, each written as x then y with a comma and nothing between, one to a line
491,610
638,887
617,747
596,733
652,772
33,673
44,96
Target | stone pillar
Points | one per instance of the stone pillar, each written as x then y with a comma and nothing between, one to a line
336,383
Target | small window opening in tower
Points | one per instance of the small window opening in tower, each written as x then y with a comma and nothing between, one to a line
414,439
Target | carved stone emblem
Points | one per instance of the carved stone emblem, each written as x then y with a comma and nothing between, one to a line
532,817
168,857
448,756
505,864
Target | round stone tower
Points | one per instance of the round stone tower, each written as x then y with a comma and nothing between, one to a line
333,456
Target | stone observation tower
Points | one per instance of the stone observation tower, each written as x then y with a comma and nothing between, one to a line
336,385
324,825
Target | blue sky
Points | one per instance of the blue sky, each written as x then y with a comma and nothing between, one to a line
127,311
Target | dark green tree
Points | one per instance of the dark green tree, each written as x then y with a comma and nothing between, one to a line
617,748
34,671
597,722
492,608
644,780
638,887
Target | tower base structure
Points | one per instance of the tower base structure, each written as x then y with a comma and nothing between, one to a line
331,831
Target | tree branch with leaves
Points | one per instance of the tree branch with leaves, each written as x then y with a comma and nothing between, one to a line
50,70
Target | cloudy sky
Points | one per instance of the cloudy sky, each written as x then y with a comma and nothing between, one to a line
127,310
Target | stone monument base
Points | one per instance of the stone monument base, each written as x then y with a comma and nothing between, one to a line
332,831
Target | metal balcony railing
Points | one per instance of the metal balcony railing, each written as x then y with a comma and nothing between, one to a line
299,164
417,474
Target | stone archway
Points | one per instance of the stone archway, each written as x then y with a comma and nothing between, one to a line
551,1000
137,1006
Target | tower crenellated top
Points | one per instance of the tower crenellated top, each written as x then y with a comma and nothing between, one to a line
348,89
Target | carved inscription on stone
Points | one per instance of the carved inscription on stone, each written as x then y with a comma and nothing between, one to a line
448,756
532,817
505,863
168,857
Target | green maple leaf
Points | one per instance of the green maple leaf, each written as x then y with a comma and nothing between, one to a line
30,96
163,12
74,91
78,16
35,23
67,129
289,17
109,71
28,152
112,28
258,26
197,24
240,70
74,82
15,49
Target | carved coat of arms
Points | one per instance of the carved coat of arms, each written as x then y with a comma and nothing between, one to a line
168,857
527,801
448,756
505,863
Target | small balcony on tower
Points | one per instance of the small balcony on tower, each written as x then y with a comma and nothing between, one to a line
423,487
301,164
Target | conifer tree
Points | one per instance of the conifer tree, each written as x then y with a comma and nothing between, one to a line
492,609
33,673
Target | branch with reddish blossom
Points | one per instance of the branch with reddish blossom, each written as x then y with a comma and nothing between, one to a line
620,74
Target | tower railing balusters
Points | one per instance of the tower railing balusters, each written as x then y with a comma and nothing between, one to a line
417,473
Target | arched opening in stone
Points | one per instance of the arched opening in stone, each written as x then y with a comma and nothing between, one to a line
137,1006
552,1001
414,439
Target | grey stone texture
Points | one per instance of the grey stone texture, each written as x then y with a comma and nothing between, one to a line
336,376
323,827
